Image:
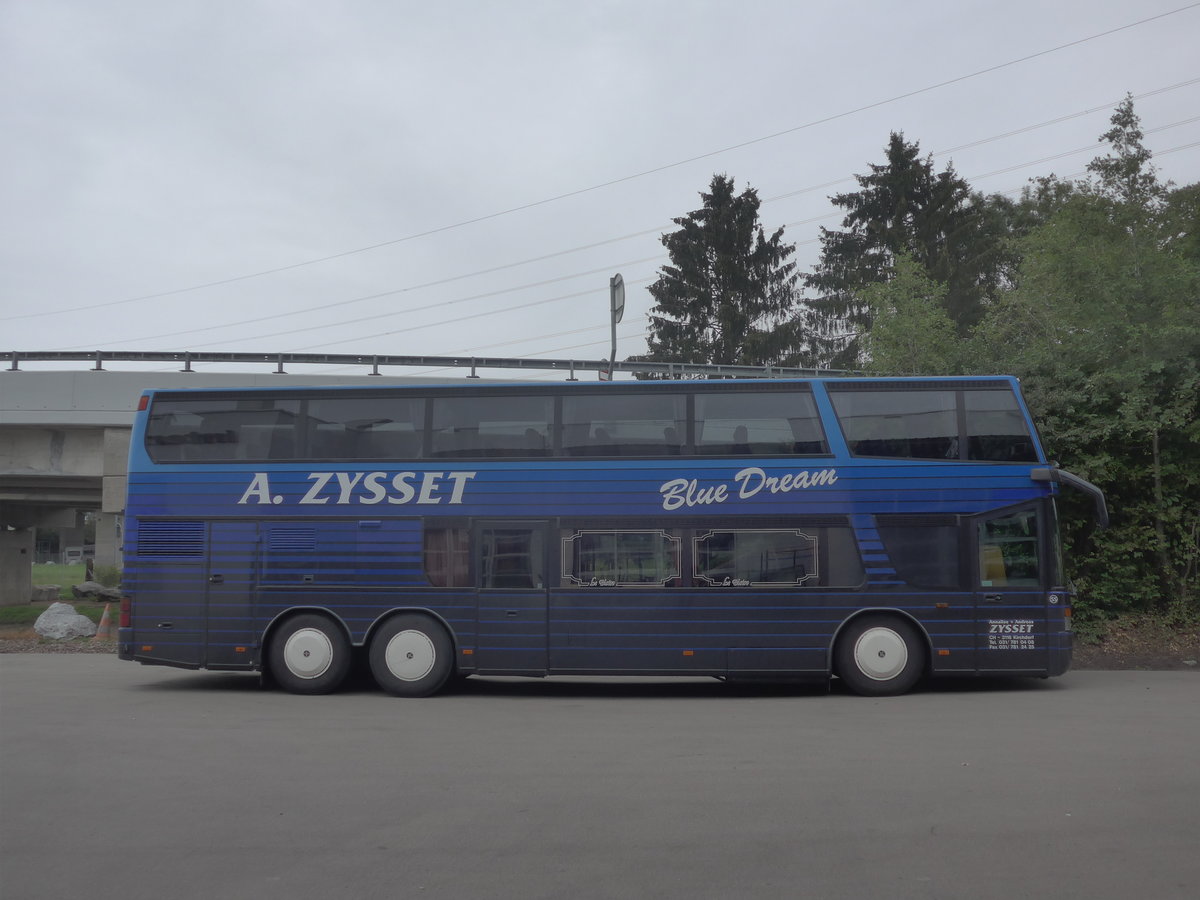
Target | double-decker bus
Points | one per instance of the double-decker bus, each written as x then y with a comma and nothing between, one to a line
877,530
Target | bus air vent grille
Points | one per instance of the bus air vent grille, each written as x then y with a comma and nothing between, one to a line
173,539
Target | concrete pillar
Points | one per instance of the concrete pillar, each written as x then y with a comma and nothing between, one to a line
108,540
16,566
112,502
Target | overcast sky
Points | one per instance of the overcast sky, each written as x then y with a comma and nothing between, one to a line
464,177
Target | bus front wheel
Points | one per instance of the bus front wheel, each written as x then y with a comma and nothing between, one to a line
411,656
880,656
309,654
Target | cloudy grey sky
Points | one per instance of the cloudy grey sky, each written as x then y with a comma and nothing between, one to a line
463,177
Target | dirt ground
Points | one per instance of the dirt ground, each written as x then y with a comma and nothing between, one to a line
1128,647
1139,645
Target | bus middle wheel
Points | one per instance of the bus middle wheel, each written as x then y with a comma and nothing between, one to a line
309,654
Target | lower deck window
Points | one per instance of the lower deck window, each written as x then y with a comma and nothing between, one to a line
620,558
807,557
511,558
448,557
745,558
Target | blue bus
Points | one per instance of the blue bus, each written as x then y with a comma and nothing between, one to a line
876,530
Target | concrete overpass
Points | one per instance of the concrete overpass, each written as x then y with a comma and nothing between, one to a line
64,443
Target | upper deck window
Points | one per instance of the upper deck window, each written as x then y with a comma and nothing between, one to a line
933,422
283,429
490,426
908,424
996,428
623,424
222,429
758,423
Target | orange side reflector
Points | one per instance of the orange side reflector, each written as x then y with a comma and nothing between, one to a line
467,651
689,652
1067,612
943,653
146,648
239,649
941,606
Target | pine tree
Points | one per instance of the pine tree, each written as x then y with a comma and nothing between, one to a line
903,207
728,293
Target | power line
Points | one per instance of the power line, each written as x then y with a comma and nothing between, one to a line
790,224
604,269
341,304
616,181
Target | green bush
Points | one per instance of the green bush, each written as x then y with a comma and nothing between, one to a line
109,576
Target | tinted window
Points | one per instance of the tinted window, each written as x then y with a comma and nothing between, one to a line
222,429
511,558
491,426
620,558
744,558
376,427
447,557
924,553
996,428
622,424
917,424
811,556
759,423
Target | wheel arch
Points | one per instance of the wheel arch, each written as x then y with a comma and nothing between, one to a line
408,610
291,612
879,610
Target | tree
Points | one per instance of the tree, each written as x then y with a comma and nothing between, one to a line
1104,327
904,206
911,333
729,290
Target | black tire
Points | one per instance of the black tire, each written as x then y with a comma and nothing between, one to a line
309,654
411,655
880,655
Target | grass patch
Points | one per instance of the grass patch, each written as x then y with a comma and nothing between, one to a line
64,576
26,614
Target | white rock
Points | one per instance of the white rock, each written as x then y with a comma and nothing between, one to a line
60,621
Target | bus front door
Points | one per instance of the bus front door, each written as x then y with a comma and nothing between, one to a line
511,564
1010,607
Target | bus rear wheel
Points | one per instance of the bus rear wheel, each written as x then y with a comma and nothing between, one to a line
309,654
411,656
879,656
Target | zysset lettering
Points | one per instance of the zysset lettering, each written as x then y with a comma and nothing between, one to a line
746,483
367,488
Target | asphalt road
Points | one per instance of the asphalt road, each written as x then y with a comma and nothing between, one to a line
123,781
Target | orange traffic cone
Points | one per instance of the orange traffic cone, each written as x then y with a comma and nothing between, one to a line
104,629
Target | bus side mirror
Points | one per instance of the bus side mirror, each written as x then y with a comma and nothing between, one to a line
1058,476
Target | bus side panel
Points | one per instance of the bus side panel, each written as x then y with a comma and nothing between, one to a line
168,612
232,638
630,631
688,631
